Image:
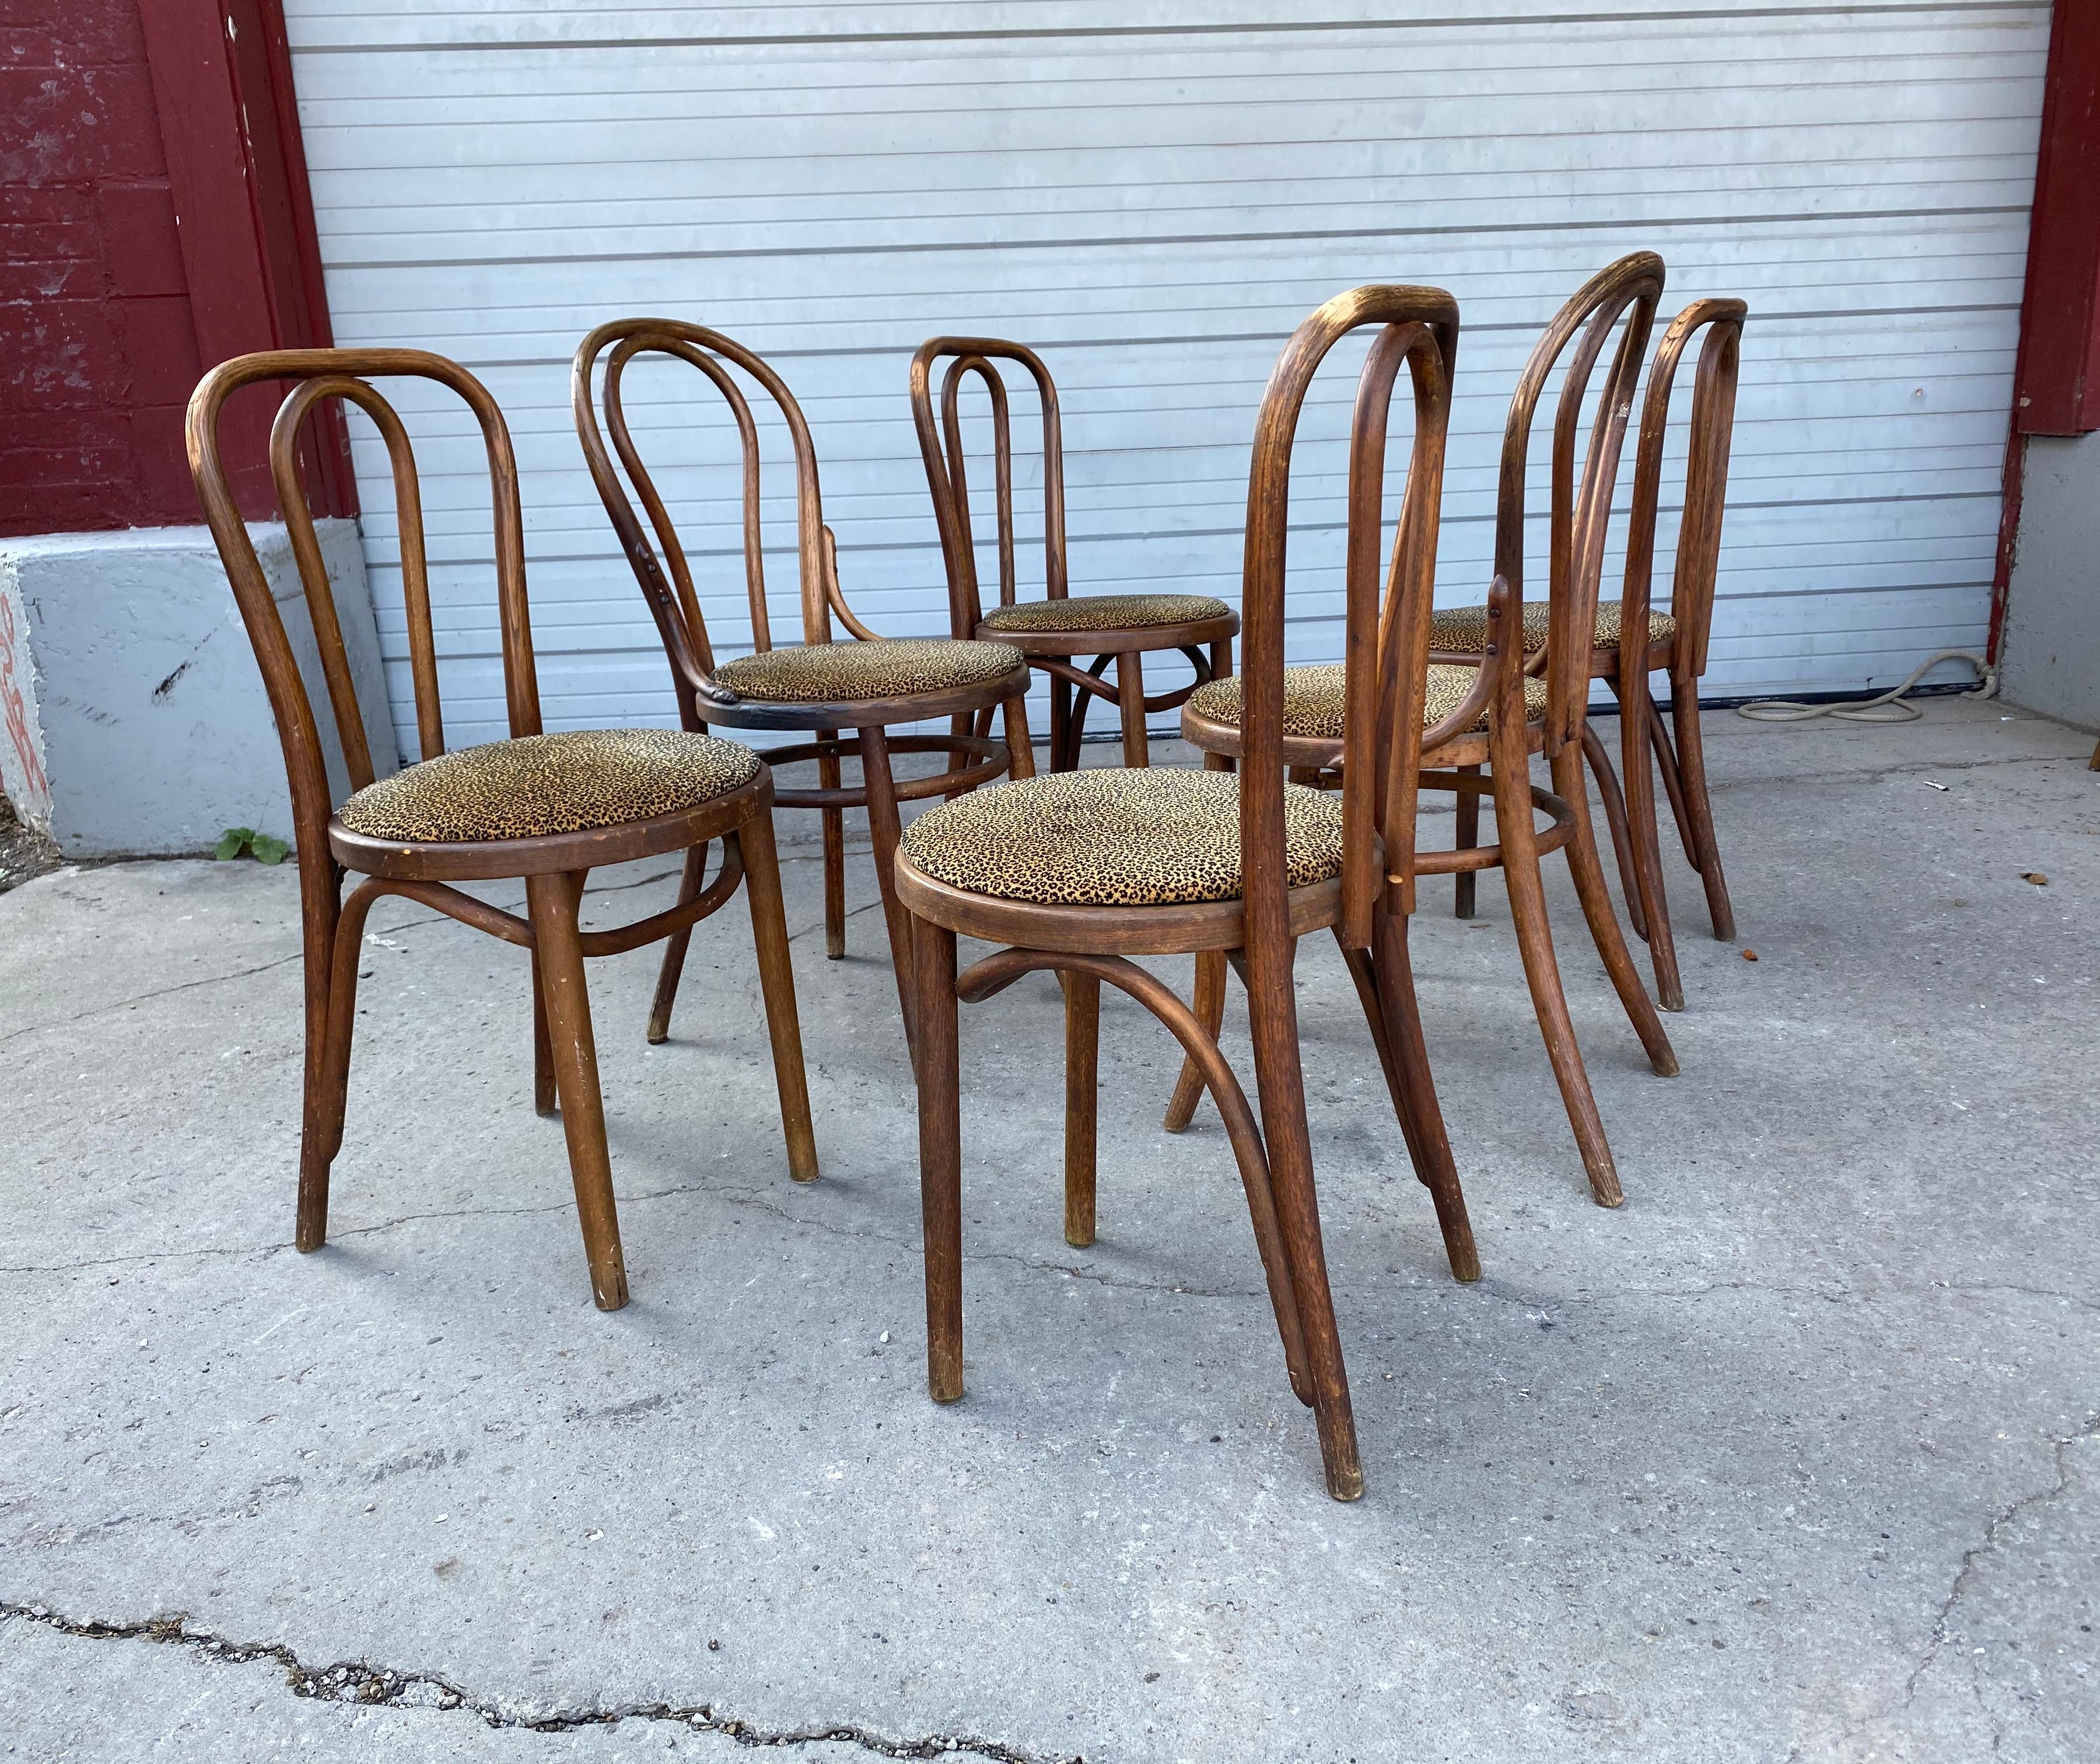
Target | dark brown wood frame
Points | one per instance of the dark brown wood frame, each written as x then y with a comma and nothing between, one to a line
554,868
1631,811
1206,643
974,758
1366,905
1453,756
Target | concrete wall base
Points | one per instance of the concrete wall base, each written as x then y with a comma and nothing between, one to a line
132,715
2051,651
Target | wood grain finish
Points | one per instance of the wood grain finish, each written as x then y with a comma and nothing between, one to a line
554,868
658,558
1206,643
1417,330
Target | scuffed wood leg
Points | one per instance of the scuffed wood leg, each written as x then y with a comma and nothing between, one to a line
835,854
884,831
1703,848
1467,809
1083,1024
1596,899
776,978
1130,688
1210,1000
937,1056
674,951
552,901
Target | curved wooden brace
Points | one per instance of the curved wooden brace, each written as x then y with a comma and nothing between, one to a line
1469,858
982,980
992,761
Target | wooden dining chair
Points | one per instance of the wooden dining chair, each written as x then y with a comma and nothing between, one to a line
1493,714
545,808
1054,633
1079,871
1631,638
866,685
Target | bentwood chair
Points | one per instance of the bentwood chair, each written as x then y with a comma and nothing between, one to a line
1496,714
1056,631
1632,638
1079,871
546,808
866,685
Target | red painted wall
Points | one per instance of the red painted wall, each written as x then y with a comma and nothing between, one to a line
97,352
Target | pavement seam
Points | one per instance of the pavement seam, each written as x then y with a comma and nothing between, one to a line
362,1684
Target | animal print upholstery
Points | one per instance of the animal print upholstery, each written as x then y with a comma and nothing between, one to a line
1103,612
828,673
1313,699
1463,630
542,784
1115,838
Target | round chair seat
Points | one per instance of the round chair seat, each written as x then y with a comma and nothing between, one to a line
1313,699
1463,630
1102,612
824,673
538,785
1115,838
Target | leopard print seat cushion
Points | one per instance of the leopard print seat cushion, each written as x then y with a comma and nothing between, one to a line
1103,612
1115,838
829,673
1463,630
1313,699
541,784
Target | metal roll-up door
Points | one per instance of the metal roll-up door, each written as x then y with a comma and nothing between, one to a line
1153,194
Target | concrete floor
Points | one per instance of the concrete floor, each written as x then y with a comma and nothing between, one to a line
1797,1456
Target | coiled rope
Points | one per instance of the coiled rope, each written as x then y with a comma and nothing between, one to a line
1888,707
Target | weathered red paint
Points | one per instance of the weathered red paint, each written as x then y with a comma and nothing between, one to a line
2056,377
144,235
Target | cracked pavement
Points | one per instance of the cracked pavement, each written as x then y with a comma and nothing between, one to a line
1797,1456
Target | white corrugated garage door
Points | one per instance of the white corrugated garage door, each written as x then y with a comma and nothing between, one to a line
1153,193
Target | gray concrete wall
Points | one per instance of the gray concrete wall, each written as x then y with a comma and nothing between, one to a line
143,697
2052,642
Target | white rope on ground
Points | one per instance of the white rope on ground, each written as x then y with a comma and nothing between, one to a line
1888,707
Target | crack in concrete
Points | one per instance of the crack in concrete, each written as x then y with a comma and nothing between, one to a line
361,1683
1943,1617
1976,1552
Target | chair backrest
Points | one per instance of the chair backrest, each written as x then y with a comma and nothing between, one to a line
1386,646
947,479
674,602
318,375
1625,292
1706,483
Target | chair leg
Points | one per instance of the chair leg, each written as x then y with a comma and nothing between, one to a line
1706,850
552,901
1272,1008
776,978
937,1056
1615,818
1130,688
1636,708
1666,763
1385,987
1083,1031
675,946
321,912
1467,809
1542,970
834,852
1060,716
1210,1005
884,831
1210,1000
545,1102
1020,745
1437,1169
1596,899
